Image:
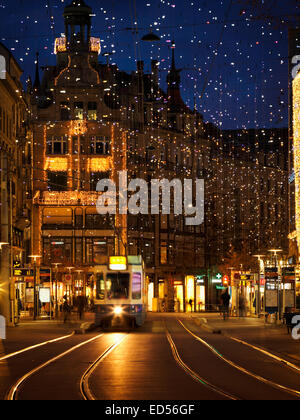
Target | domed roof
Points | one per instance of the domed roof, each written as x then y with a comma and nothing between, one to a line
77,7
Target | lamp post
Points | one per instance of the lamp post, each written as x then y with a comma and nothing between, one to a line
35,306
56,303
276,252
260,263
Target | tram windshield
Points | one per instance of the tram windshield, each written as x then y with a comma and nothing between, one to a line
117,286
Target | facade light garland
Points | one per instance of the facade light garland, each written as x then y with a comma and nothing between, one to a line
296,113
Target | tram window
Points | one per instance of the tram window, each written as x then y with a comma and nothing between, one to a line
136,286
100,287
117,286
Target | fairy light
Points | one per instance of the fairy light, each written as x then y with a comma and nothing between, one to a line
57,164
296,115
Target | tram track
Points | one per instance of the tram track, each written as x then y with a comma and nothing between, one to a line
243,370
195,376
85,390
14,391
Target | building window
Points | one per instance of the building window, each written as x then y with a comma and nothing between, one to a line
65,111
75,145
78,110
92,111
96,177
79,218
57,145
98,249
83,146
54,218
78,251
93,220
100,145
148,252
57,250
57,181
163,253
164,221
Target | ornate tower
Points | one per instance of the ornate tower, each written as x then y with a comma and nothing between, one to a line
78,26
77,52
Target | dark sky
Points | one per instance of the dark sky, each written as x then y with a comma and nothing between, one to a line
234,55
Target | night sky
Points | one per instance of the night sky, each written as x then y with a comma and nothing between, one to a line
234,55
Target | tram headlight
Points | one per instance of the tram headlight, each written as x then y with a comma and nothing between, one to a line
118,310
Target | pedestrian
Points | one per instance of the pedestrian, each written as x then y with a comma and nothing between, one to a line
242,306
66,309
225,299
191,304
80,306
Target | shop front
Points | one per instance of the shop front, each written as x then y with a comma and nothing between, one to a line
195,293
179,295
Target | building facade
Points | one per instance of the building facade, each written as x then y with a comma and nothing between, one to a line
91,121
15,150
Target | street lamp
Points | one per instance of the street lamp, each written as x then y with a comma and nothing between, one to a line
56,303
260,262
276,252
35,306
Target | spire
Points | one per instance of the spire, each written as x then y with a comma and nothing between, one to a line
173,56
176,103
173,78
37,82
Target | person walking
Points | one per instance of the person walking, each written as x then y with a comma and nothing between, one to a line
225,299
80,306
242,306
66,309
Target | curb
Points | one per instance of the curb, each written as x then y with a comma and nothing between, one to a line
202,322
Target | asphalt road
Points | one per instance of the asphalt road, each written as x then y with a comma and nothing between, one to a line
163,360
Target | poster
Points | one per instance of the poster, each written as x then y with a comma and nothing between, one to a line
45,295
290,298
29,295
271,299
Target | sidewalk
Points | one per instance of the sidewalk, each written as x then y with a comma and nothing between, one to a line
29,333
254,331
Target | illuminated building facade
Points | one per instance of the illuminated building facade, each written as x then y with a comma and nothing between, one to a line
15,169
91,121
294,65
296,132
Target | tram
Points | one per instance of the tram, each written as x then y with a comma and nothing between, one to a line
121,292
